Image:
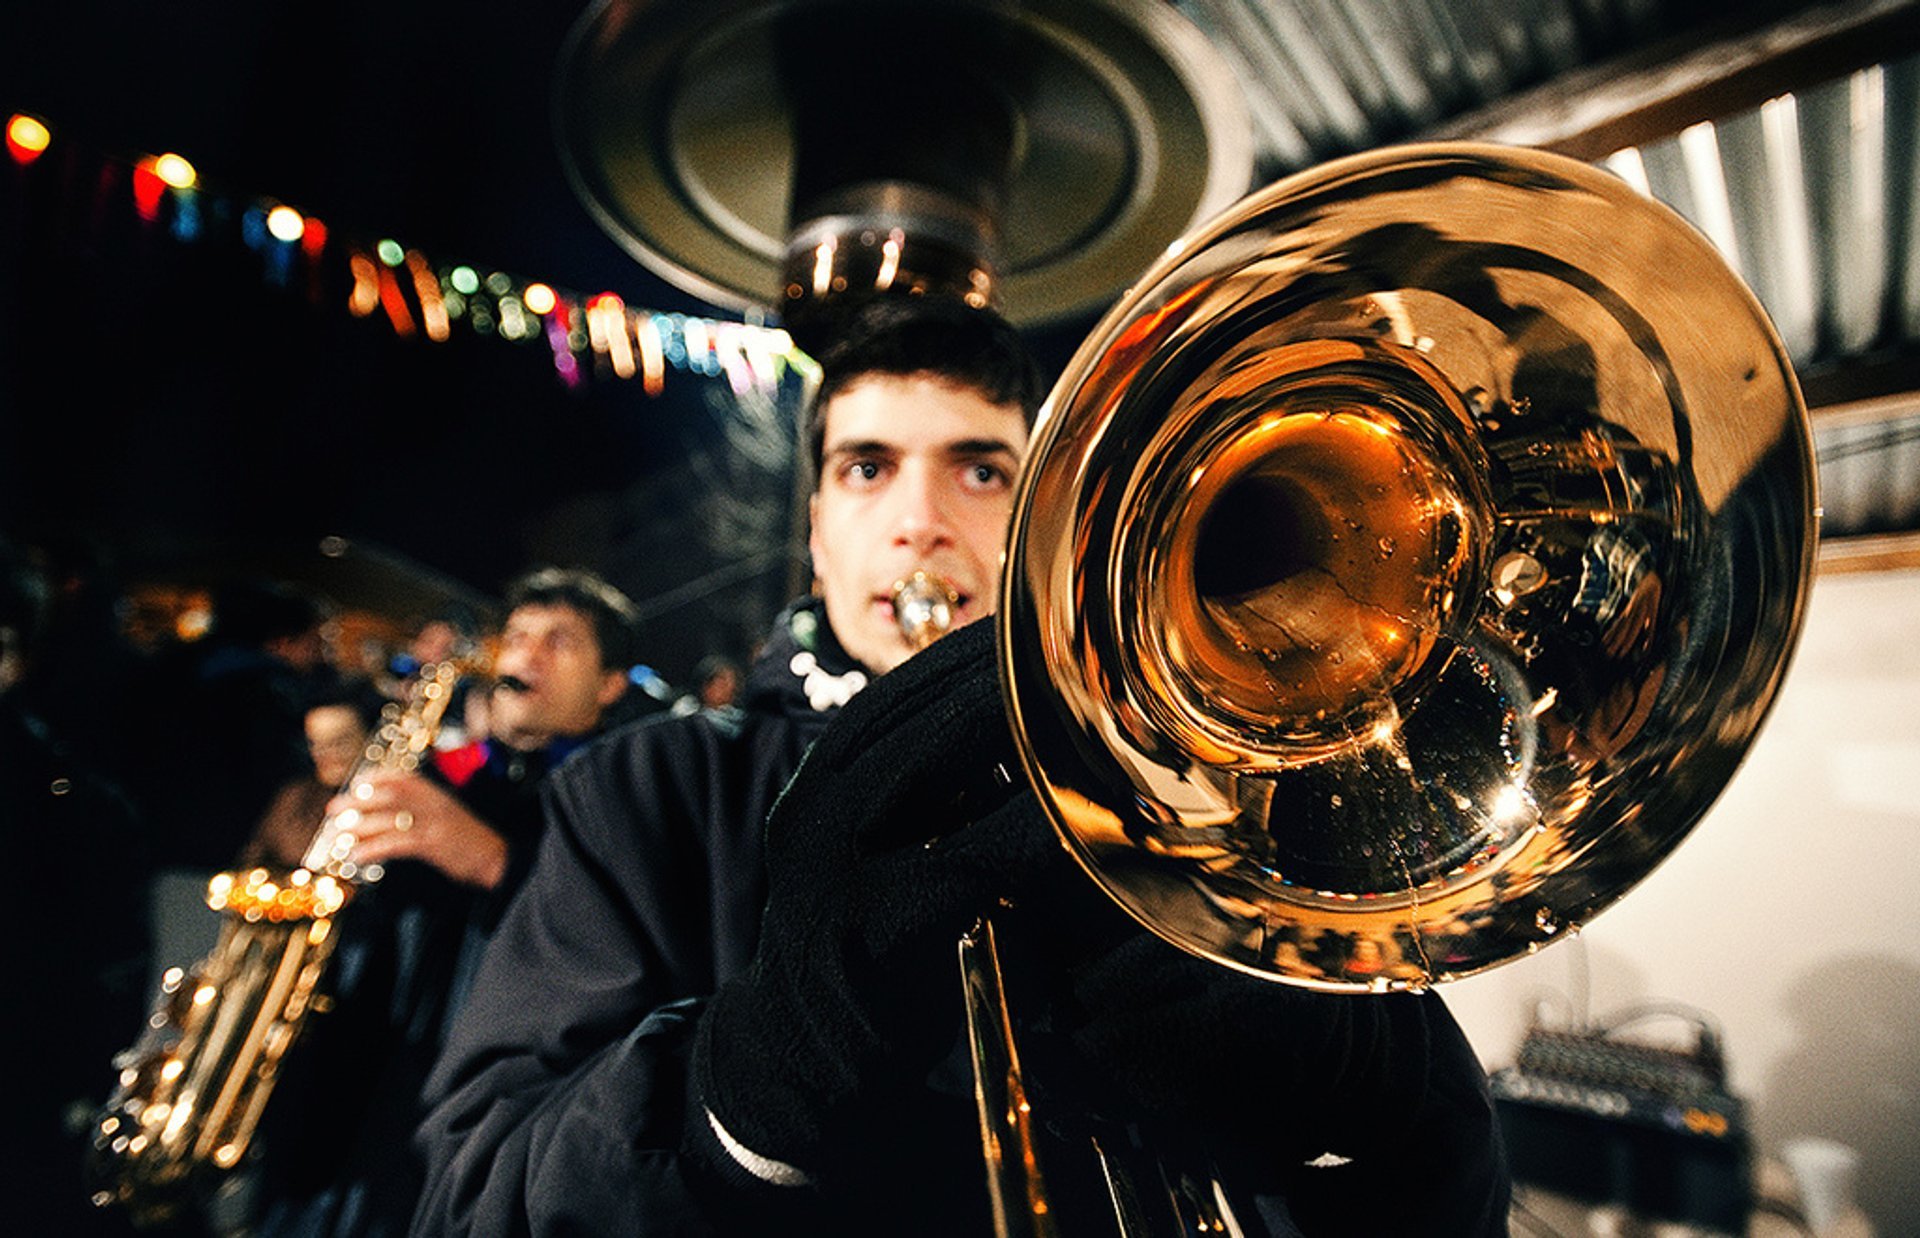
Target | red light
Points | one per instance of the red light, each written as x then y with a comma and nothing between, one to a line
395,303
27,138
148,189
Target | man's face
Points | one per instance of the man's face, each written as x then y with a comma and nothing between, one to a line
335,738
553,652
434,642
916,473
305,651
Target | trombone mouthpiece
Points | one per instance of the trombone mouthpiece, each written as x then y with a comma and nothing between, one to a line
923,607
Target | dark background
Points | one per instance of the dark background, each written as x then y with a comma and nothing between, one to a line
171,411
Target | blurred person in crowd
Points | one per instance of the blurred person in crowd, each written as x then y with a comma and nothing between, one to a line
561,676
83,657
436,641
445,635
73,933
455,840
222,721
339,722
717,684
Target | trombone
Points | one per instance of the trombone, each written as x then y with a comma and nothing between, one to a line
1400,571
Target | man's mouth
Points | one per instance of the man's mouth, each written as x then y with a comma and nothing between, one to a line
884,601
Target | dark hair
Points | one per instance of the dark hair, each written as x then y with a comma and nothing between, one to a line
935,336
613,615
360,695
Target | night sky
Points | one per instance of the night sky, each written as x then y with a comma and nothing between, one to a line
170,405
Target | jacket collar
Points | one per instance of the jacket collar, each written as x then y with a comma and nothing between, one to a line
802,669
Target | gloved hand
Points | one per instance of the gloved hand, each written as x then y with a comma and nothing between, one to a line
892,839
1185,1040
1272,1078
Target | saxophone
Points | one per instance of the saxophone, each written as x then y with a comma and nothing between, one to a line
193,1087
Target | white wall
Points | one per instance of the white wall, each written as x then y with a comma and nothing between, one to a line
1792,914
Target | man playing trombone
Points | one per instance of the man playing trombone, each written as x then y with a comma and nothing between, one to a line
726,1000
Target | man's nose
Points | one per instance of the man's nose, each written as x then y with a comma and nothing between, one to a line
921,521
520,656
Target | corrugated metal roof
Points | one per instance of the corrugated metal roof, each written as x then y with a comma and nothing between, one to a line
1811,195
1328,77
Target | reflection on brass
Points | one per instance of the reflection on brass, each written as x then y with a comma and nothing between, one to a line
1402,568
1016,1189
192,1090
923,608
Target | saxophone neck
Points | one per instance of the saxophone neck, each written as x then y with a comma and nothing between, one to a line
404,739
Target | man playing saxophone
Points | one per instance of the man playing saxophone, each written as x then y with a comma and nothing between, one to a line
455,841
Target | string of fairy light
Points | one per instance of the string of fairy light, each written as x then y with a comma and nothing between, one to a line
590,336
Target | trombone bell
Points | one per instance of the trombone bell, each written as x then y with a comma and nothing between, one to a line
1313,558
1404,565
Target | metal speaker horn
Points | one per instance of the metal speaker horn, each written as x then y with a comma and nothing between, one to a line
1405,564
1031,155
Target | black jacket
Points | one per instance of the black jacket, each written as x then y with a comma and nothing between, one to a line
561,1105
647,889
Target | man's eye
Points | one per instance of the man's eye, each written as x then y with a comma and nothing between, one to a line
863,470
986,475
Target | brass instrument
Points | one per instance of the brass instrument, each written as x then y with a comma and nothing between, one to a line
192,1089
923,605
923,609
1400,571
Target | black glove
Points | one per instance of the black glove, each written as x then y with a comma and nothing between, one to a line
1188,1041
1271,1078
893,838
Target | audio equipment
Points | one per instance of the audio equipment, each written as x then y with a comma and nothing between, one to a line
1608,1121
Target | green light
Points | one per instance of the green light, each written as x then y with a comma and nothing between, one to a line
465,282
499,283
391,253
